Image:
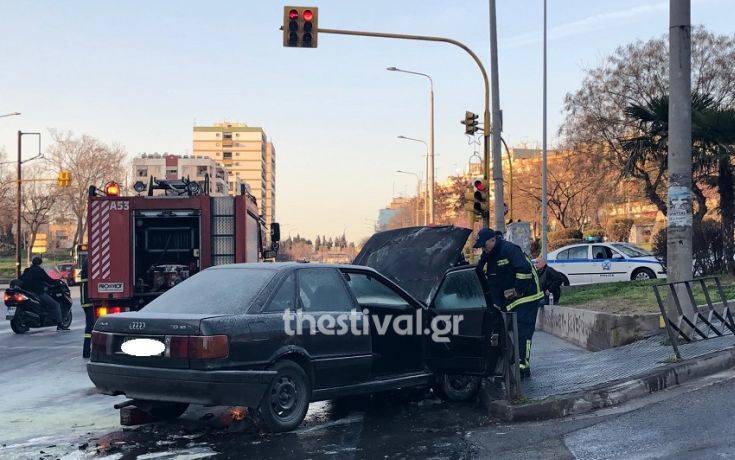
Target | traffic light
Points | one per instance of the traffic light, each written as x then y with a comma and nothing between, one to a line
300,27
480,197
470,123
63,179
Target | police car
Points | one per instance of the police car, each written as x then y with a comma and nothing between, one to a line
588,263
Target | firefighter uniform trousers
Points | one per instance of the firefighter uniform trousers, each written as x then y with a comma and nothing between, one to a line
88,317
526,315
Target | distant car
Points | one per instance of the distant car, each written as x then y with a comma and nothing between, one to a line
589,263
66,270
219,337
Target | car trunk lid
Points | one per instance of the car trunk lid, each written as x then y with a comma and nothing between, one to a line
157,328
415,258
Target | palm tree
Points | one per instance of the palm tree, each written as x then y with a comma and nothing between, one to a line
713,136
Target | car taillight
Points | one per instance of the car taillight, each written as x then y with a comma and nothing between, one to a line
101,342
197,346
208,347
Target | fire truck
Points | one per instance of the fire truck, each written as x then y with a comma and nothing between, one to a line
140,246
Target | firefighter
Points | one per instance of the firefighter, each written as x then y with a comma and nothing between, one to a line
513,285
87,306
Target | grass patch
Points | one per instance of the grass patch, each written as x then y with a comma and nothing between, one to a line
7,264
633,296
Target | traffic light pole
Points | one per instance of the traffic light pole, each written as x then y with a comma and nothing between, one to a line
498,171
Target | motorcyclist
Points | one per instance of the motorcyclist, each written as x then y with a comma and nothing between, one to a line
35,279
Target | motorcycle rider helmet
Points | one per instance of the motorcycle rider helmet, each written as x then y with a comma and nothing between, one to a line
37,260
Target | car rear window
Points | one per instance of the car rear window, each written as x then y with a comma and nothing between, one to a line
218,291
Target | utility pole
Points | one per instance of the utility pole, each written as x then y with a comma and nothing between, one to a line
431,152
679,230
17,210
497,126
544,166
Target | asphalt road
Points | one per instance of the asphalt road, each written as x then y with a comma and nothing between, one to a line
49,409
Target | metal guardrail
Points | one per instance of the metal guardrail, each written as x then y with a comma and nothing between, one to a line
511,362
695,326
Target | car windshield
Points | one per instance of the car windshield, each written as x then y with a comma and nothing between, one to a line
219,291
631,251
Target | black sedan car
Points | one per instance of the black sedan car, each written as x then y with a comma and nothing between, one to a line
409,312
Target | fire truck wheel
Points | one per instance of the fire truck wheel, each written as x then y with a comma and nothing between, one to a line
17,326
454,388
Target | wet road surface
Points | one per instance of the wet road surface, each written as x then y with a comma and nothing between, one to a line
49,409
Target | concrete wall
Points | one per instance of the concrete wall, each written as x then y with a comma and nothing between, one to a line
596,330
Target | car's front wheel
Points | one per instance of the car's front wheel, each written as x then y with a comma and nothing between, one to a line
643,274
286,401
450,387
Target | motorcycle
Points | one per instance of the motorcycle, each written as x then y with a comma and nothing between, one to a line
26,311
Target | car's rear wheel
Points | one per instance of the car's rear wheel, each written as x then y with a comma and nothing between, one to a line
286,401
17,325
643,274
450,387
565,280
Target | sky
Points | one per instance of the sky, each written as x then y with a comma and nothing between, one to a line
142,73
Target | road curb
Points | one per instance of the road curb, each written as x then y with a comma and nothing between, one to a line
609,393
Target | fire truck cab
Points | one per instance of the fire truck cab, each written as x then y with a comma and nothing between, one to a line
140,246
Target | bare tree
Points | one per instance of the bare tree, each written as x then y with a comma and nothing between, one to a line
577,186
7,200
39,199
91,162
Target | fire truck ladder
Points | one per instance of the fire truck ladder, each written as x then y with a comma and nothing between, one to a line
223,230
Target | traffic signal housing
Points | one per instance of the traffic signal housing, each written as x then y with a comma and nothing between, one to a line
470,123
480,197
300,28
63,179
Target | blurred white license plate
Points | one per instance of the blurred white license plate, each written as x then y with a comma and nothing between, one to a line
10,313
143,347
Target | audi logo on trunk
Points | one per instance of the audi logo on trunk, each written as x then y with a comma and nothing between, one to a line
136,325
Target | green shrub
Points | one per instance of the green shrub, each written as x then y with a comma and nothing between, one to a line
565,234
619,229
707,250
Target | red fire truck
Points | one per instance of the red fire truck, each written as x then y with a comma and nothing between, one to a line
140,246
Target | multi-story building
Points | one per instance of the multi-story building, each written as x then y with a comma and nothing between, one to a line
247,154
169,166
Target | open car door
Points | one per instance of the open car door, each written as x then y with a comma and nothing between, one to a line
473,344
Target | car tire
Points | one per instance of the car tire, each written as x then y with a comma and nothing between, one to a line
17,326
565,281
163,410
455,388
286,400
642,274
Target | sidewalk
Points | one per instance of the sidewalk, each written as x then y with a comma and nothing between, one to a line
567,380
560,367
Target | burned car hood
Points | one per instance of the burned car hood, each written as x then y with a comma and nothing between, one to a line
415,258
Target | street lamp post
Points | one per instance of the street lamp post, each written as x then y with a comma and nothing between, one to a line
418,191
18,195
427,218
430,159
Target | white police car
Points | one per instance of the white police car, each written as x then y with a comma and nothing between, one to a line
587,263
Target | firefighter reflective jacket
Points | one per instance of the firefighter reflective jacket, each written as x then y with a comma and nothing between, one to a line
509,268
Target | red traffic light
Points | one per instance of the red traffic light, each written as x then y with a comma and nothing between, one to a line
308,15
479,185
293,14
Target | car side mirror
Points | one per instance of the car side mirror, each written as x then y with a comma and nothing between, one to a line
275,231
